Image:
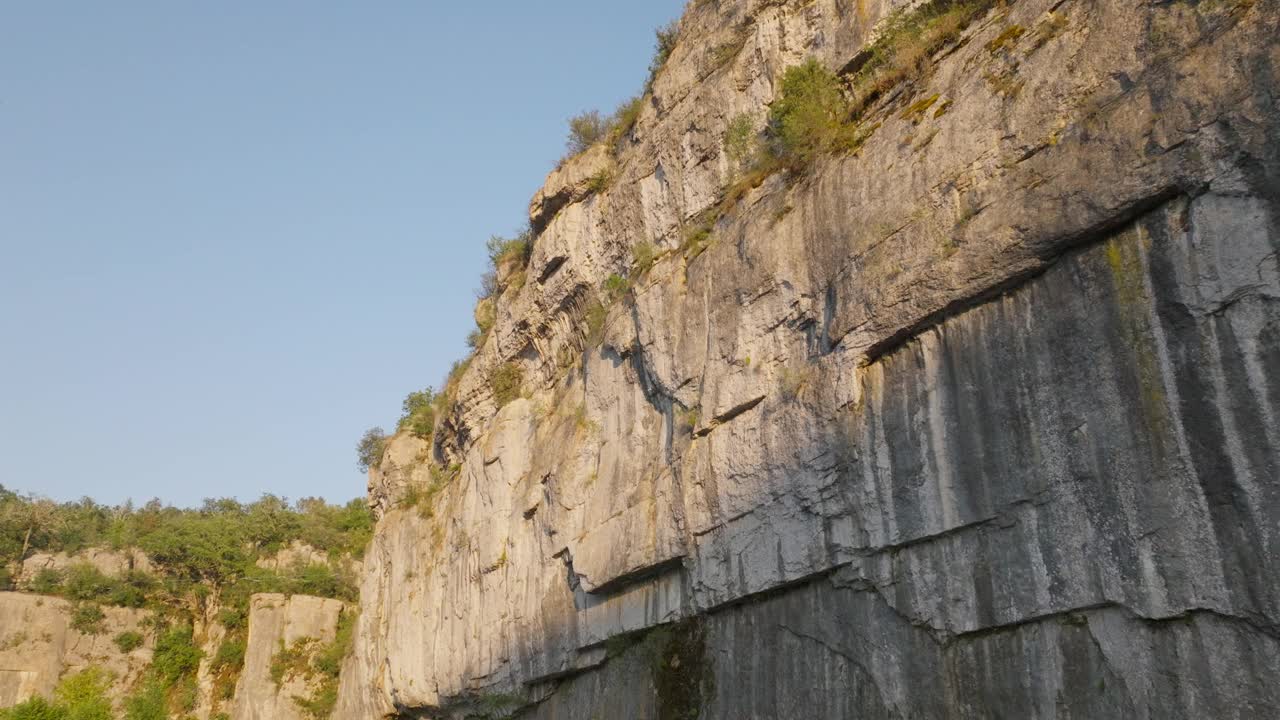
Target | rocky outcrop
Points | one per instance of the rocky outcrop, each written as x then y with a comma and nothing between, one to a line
112,563
979,421
38,645
278,623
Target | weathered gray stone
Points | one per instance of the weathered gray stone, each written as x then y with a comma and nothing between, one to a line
277,622
980,421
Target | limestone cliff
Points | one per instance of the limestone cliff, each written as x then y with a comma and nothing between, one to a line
977,421
42,641
277,623
39,644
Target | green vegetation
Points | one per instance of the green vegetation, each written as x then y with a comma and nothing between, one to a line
741,144
665,39
624,118
211,550
148,703
515,249
600,181
419,415
317,663
723,54
82,696
817,112
590,127
370,448
505,381
129,641
176,654
586,129
907,44
47,581
88,618
809,116
596,315
689,419
643,254
697,238
615,286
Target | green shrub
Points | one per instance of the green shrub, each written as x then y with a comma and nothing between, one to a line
596,316
507,249
419,415
370,448
644,254
176,656
85,582
48,581
84,695
696,239
586,129
601,180
195,547
129,641
132,590
148,703
625,117
665,39
88,618
37,708
486,315
505,381
292,660
230,654
810,114
326,665
689,418
320,704
741,145
615,286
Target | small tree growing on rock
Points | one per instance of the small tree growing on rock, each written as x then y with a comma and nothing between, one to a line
370,448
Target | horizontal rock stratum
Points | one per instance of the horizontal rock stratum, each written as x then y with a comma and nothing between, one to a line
977,421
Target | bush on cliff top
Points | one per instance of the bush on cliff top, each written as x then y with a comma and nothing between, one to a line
419,415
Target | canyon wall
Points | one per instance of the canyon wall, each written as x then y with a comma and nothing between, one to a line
42,641
978,420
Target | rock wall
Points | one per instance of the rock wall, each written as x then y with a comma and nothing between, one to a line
38,646
113,563
978,421
277,622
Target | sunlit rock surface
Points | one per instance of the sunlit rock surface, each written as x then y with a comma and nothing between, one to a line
980,421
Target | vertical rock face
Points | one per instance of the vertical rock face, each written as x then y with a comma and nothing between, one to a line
278,623
38,645
980,421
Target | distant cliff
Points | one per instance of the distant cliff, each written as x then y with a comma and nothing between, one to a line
218,619
951,392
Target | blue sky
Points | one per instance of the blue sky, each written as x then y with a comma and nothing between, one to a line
234,235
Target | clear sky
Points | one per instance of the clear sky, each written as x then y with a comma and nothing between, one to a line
233,235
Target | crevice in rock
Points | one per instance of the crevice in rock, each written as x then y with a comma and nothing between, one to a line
728,415
1101,232
551,267
622,583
